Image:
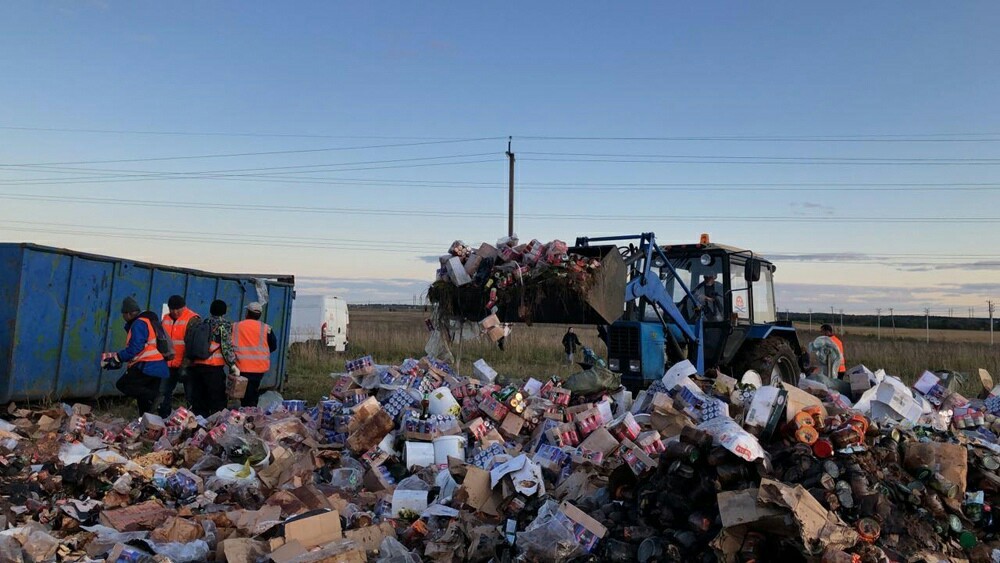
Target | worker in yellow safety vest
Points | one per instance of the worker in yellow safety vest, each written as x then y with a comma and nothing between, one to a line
175,324
827,330
253,342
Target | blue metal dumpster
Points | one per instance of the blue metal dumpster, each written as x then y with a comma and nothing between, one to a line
59,309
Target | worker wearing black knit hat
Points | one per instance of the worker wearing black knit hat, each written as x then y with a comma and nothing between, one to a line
175,324
146,364
208,374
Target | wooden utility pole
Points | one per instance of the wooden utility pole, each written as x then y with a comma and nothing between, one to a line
893,317
510,194
990,305
878,323
927,317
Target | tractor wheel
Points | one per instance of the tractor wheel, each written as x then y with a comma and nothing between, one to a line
773,358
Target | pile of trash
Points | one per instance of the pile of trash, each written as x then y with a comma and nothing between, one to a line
414,462
477,280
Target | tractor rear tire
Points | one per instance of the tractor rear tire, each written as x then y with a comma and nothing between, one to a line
774,359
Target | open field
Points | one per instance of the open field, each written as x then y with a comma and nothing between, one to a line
391,336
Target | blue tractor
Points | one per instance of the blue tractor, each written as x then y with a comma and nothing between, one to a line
708,303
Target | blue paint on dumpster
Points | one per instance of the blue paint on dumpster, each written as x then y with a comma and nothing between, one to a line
60,309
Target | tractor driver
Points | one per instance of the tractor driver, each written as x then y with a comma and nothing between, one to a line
709,296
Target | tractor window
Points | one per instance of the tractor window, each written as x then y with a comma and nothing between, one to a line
694,274
763,298
738,291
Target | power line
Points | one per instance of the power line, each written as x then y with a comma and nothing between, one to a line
226,238
117,176
910,138
785,163
260,153
97,174
235,177
893,137
772,158
220,134
540,216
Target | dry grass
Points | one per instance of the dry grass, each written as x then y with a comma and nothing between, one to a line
391,336
536,351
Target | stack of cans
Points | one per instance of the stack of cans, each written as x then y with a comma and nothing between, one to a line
294,405
550,456
180,417
216,433
410,366
493,408
132,429
182,486
482,458
992,404
327,411
397,402
626,428
362,364
334,437
384,472
587,539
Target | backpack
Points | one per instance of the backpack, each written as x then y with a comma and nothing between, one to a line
164,345
198,339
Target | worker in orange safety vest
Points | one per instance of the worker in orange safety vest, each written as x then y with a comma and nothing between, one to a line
827,330
175,324
146,366
253,342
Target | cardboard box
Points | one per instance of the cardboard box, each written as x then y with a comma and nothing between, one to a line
767,410
236,387
633,456
143,516
313,531
600,440
798,400
496,333
511,425
456,272
489,322
483,372
239,550
472,264
288,551
370,538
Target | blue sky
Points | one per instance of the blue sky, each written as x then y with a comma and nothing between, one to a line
907,92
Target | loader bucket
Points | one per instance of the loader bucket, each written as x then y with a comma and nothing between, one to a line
548,299
549,302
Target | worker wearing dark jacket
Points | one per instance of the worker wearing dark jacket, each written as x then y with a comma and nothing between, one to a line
253,342
146,365
208,376
570,342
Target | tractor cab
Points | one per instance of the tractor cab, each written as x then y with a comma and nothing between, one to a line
731,290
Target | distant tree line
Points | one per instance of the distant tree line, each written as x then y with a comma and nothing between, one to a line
902,321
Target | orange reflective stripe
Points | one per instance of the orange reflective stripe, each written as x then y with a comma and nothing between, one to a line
149,352
250,346
215,359
843,359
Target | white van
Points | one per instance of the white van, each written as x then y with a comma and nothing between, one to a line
320,317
